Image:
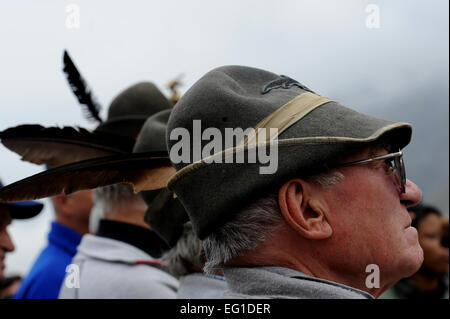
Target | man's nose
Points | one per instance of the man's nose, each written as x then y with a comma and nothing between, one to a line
412,194
6,242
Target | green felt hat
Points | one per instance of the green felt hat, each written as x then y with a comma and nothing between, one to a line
129,110
56,146
165,214
312,132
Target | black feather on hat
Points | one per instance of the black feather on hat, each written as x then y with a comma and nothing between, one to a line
80,89
22,210
148,169
56,146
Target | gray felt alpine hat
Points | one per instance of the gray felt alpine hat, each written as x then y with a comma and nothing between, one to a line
165,214
312,132
57,146
129,110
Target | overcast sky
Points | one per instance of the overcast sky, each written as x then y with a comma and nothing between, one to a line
326,45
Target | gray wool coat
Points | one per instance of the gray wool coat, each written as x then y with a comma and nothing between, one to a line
201,286
109,268
284,283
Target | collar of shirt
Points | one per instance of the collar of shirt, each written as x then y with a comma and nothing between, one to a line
299,275
64,237
138,236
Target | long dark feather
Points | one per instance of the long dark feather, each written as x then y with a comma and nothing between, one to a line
56,146
80,89
143,171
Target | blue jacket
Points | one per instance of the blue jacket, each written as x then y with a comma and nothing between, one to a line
47,274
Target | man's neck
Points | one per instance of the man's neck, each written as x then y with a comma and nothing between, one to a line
131,215
305,259
80,227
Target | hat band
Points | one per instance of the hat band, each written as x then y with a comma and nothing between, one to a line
284,117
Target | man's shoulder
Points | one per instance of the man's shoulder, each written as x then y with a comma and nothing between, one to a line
143,274
48,265
43,281
109,279
278,282
201,286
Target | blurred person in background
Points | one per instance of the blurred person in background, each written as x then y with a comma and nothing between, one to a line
9,211
120,260
71,223
431,280
119,231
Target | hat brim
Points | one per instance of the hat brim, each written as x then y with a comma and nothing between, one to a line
23,210
128,126
165,215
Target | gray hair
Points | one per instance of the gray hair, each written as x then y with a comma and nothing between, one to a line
327,179
251,226
186,254
105,199
110,196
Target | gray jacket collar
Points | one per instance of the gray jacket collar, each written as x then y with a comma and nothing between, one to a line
278,282
110,250
201,286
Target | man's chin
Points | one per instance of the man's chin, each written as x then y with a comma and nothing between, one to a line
412,236
415,260
412,253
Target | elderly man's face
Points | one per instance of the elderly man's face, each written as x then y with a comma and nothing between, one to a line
6,244
370,222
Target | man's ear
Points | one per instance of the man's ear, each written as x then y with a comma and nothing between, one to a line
60,202
304,210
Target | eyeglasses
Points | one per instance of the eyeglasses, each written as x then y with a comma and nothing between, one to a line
394,162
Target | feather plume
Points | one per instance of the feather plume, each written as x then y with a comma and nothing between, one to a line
56,146
80,89
142,171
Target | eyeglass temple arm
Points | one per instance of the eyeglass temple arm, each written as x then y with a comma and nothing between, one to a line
390,155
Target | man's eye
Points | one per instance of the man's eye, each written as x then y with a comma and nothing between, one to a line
389,163
388,166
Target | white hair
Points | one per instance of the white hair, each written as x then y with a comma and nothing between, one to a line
186,255
251,226
97,213
106,199
112,196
